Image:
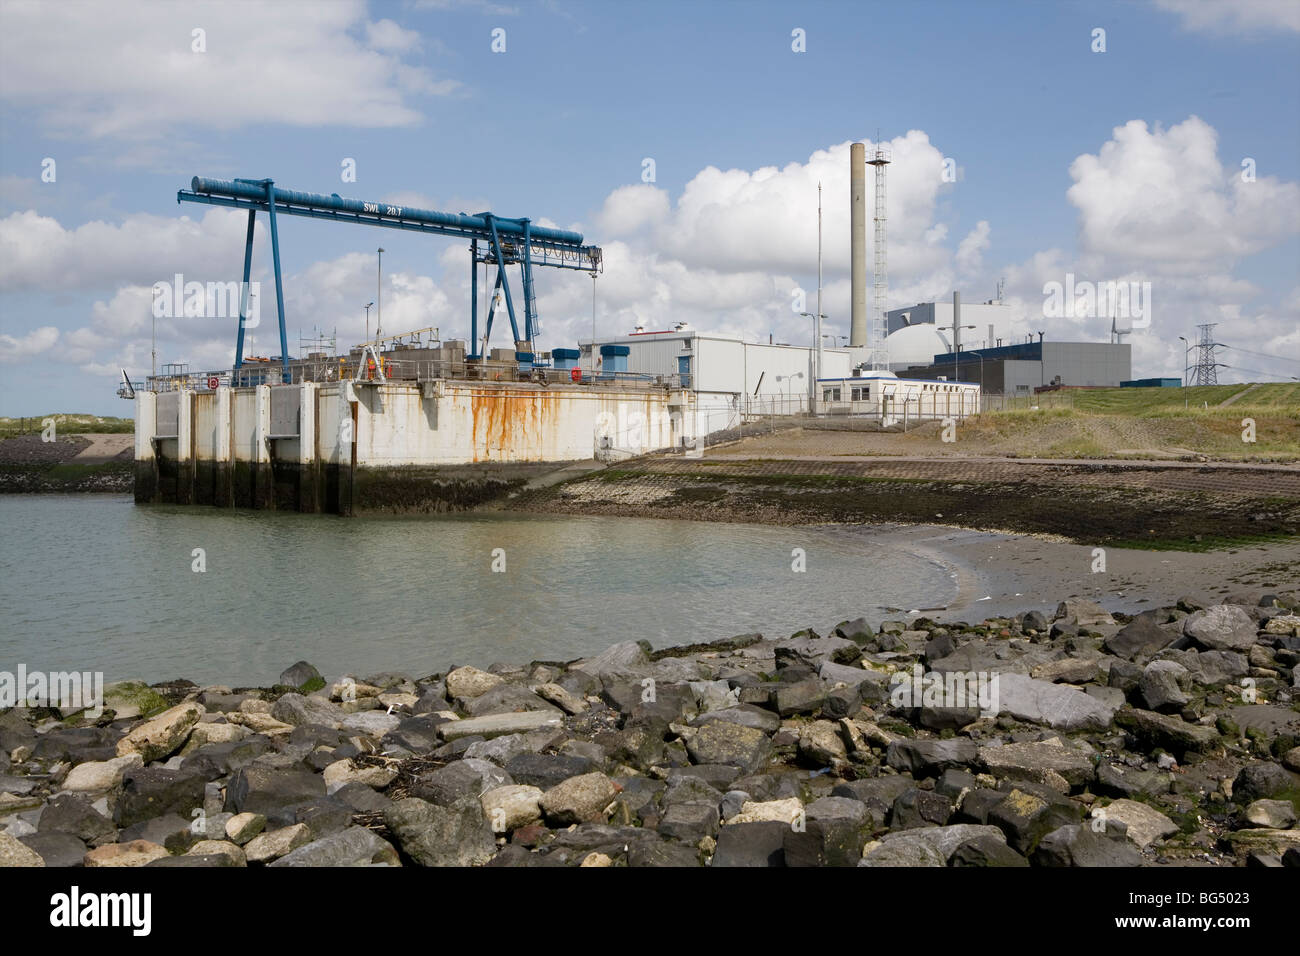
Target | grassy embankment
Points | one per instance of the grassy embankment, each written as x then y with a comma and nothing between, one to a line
67,424
1173,423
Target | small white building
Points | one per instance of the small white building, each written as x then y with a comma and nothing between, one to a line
893,400
731,378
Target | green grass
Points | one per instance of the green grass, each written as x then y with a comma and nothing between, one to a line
67,423
1145,401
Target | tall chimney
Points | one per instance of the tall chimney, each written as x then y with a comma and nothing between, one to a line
858,242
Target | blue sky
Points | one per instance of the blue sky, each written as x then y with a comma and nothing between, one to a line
556,127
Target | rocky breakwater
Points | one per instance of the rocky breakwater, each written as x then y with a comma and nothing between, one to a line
1168,737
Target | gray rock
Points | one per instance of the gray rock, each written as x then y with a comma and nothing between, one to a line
499,725
928,846
509,699
1140,638
580,799
1076,845
297,675
1166,732
620,661
1274,814
1025,817
152,791
56,849
355,846
689,822
746,715
459,781
1164,686
1040,762
295,709
728,743
372,723
72,814
1083,612
929,758
751,844
431,835
986,851
14,853
1261,780
919,808
1224,627
260,789
1145,824
801,697
876,793
546,770
1059,706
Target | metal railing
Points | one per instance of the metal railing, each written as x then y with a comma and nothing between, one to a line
365,369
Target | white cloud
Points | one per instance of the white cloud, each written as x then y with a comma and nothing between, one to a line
1238,16
387,36
37,252
17,349
1162,197
970,253
128,70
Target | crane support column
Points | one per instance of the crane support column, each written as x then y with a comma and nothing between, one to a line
473,299
279,284
243,290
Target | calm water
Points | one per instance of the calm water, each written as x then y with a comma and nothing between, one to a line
96,583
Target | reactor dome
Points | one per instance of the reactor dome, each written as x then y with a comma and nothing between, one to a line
916,345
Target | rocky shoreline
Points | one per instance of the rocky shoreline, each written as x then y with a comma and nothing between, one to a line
1089,739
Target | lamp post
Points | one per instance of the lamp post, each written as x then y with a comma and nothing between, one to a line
368,305
817,341
379,297
1186,350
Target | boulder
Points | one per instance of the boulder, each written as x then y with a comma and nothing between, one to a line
1059,706
512,806
729,743
299,676
1145,824
260,789
431,835
355,846
97,775
134,853
579,799
149,792
15,853
470,682
163,735
1224,627
1044,762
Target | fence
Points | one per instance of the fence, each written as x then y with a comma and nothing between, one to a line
327,370
1009,403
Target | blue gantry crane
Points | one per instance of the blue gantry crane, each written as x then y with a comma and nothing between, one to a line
493,240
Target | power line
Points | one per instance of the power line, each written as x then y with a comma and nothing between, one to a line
1276,358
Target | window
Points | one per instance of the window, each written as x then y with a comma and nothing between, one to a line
830,394
857,395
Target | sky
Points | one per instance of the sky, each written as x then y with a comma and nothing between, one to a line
1149,141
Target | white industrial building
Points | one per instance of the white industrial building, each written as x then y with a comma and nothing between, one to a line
991,321
884,397
731,378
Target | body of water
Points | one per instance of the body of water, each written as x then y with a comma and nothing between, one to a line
97,583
